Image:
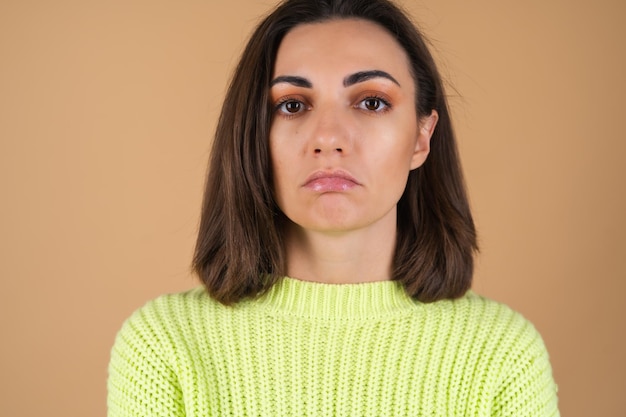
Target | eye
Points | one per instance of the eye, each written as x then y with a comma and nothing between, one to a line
290,106
374,104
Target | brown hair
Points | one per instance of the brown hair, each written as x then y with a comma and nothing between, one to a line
239,251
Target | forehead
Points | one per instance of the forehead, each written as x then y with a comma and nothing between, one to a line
342,45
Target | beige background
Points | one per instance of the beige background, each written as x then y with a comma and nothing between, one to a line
106,114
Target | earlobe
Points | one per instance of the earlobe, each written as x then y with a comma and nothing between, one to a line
427,126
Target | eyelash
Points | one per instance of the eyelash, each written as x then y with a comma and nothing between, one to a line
290,99
381,99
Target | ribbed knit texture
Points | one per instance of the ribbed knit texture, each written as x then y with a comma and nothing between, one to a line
310,349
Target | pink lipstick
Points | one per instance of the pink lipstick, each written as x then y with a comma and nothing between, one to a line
330,181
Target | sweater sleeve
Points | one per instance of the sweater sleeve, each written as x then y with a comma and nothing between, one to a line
528,388
141,382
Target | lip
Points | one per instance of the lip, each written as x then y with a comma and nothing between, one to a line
330,181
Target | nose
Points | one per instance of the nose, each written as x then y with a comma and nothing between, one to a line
330,133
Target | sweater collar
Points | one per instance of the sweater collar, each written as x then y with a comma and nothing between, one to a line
337,301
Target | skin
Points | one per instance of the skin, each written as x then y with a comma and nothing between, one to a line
343,139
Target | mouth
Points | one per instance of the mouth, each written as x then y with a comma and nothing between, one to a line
330,181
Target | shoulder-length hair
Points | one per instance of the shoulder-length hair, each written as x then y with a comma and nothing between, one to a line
239,252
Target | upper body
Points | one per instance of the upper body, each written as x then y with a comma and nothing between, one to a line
335,163
310,349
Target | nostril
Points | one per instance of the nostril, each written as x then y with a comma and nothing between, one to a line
318,150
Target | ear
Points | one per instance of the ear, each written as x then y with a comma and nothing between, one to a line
425,131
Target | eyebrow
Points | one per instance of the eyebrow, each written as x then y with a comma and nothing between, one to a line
292,79
357,77
361,76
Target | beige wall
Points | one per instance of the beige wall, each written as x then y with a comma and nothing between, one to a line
106,110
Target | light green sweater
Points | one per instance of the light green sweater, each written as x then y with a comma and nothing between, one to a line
310,349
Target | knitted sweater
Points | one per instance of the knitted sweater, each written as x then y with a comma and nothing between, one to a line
310,349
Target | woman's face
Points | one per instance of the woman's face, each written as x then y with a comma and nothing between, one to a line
344,133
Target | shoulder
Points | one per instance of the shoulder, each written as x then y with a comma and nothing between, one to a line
176,304
476,312
145,358
511,351
164,317
499,326
510,326
499,338
162,325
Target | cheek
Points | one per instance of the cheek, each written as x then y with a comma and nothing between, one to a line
393,148
393,159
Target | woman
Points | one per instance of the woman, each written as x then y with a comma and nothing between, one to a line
335,246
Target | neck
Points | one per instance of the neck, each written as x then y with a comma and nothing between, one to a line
346,257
